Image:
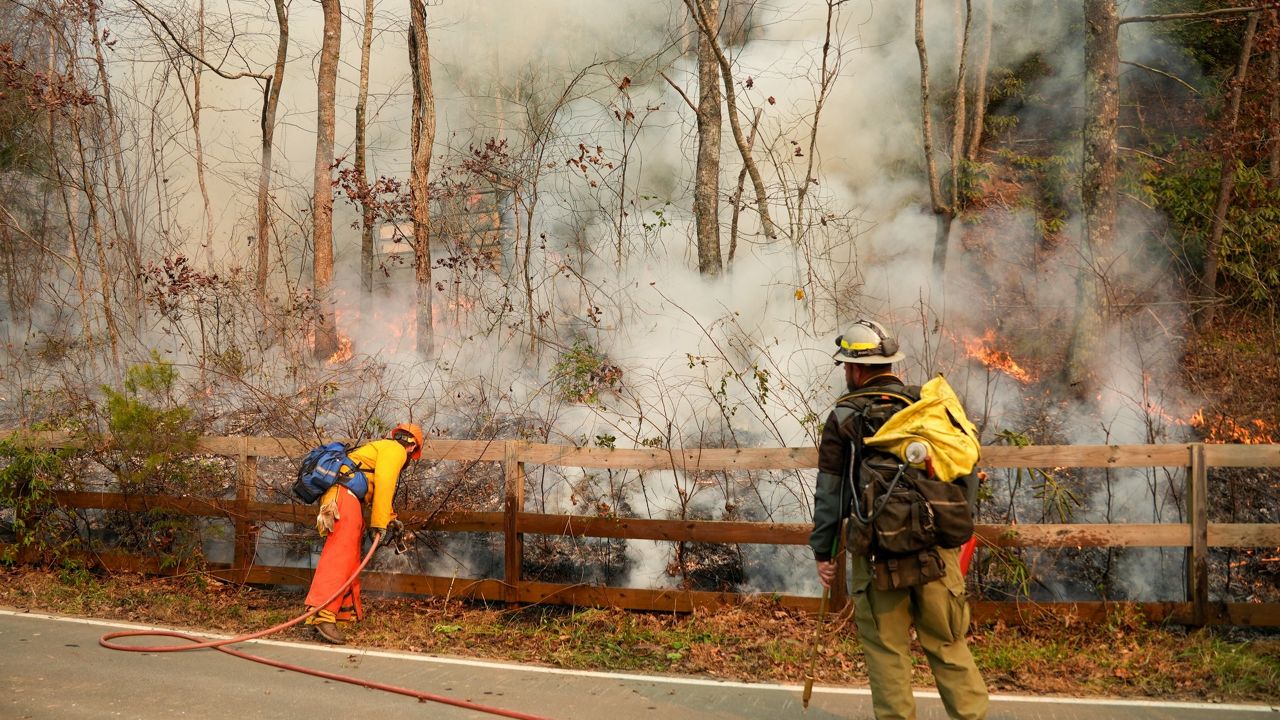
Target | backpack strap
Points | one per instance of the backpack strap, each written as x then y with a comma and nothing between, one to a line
903,396
355,471
856,448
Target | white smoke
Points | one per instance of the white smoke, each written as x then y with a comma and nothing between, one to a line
691,349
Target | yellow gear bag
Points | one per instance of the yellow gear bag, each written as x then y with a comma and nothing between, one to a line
937,419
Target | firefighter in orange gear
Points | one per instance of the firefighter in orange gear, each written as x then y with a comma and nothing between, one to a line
341,522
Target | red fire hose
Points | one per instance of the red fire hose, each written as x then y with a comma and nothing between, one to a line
196,643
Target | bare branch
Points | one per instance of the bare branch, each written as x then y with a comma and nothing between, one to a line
926,122
957,126
680,90
1158,71
1144,153
735,123
1226,184
192,53
737,195
827,76
1224,12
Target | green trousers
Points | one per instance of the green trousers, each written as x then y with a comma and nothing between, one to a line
940,614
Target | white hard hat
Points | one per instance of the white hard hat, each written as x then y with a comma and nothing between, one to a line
867,343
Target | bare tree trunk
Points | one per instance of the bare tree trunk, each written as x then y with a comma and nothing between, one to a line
88,186
1098,189
422,137
706,189
737,194
322,229
268,126
1226,185
946,219
155,147
70,204
118,200
959,116
698,12
980,88
366,204
199,141
105,274
926,118
940,209
1273,81
827,76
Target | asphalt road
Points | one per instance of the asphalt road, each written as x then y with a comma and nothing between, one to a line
52,668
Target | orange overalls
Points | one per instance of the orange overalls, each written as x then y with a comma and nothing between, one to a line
381,461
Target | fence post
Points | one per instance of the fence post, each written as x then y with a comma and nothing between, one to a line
513,553
245,531
1198,551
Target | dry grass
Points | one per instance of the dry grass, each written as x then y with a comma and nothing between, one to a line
758,641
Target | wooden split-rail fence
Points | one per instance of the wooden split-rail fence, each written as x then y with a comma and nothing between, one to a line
1196,536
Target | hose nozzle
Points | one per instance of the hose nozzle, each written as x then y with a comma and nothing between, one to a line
403,543
917,452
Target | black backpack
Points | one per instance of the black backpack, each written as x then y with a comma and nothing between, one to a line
899,514
325,466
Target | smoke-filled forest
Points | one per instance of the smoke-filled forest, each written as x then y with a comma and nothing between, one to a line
641,225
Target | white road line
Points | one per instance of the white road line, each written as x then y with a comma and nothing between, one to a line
667,679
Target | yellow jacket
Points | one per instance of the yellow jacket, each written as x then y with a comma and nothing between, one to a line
937,419
381,461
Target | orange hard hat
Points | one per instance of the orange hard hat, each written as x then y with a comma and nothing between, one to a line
416,432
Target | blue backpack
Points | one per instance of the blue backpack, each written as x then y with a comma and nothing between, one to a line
323,467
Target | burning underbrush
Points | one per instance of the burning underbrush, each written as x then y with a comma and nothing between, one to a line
705,566
1228,405
1236,368
1245,495
596,561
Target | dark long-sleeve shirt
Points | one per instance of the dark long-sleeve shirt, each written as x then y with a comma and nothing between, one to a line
833,492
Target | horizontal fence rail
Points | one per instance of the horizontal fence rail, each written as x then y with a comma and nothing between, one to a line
247,514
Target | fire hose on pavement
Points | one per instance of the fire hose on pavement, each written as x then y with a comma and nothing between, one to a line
196,643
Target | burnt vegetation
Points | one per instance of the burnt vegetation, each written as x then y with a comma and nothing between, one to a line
138,336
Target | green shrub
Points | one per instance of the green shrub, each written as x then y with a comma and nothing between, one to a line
582,372
27,481
1249,256
150,430
152,451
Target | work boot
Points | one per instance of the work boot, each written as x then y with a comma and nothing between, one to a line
331,633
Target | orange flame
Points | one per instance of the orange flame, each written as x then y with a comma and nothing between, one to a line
982,349
461,302
1156,410
1226,430
343,353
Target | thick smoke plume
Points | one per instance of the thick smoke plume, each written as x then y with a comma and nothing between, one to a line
736,360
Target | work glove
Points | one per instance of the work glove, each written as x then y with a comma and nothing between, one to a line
326,518
395,529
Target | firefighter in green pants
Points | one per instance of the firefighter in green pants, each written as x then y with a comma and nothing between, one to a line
936,607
